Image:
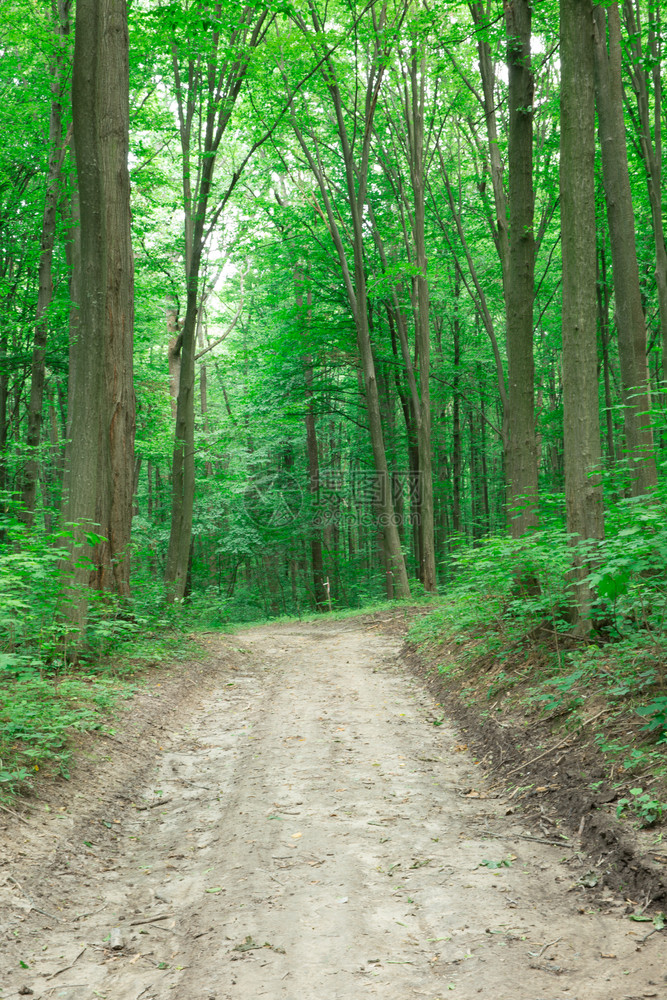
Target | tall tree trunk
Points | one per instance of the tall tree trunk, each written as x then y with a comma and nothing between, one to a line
500,230
643,65
60,15
317,559
519,290
183,459
173,353
484,479
415,119
102,407
603,317
149,495
4,422
457,453
206,93
475,526
581,425
203,405
630,322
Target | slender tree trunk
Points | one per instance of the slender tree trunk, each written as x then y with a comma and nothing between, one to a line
149,497
316,555
642,65
183,460
487,72
101,454
603,316
173,354
581,425
203,403
484,479
457,454
630,322
519,290
415,118
4,396
475,525
60,15
205,98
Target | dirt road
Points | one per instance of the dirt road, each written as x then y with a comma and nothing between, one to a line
307,833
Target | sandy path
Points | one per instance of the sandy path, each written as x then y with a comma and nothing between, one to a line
309,834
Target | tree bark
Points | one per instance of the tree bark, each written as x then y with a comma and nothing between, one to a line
650,136
316,556
481,21
603,319
102,405
581,425
415,120
457,450
519,288
60,15
630,322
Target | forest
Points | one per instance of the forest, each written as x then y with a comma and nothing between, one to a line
311,304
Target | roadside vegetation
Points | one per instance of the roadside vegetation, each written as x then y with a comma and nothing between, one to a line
512,653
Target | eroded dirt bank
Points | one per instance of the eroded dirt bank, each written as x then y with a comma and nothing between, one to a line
304,831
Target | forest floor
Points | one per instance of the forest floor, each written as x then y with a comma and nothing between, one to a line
291,817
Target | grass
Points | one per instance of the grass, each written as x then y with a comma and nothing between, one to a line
44,710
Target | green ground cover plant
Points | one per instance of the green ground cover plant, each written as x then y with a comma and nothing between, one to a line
518,653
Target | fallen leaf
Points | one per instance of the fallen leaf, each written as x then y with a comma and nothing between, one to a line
295,836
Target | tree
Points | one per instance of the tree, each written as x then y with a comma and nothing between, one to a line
644,48
406,118
100,454
581,426
355,139
630,320
520,274
60,13
208,72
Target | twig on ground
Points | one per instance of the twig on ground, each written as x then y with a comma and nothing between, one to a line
152,805
151,920
18,885
647,936
557,745
68,967
550,944
527,836
10,812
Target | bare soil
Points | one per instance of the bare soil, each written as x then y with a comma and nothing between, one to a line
554,771
294,819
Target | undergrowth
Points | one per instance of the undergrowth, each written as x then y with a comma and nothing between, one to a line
54,684
512,649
